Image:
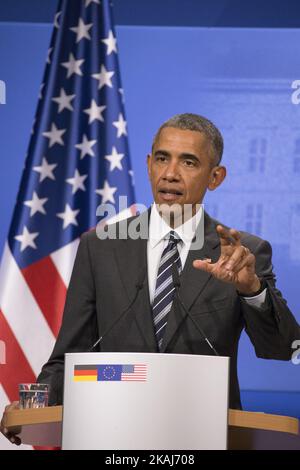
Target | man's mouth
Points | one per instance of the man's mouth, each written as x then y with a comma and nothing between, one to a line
170,194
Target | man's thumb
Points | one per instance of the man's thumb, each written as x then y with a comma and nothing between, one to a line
204,265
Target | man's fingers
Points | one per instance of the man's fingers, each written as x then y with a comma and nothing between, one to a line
16,440
235,235
13,439
246,261
9,435
12,406
228,237
237,256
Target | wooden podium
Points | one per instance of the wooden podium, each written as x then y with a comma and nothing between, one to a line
247,430
110,399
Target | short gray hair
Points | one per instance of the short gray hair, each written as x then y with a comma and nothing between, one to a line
195,122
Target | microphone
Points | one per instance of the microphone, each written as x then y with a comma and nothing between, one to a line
139,285
176,282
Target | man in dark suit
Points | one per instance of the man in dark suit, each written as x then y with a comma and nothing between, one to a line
226,283
232,289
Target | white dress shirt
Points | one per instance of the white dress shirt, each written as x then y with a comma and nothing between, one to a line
158,240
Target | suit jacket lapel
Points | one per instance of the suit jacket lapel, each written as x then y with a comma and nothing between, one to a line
193,281
131,257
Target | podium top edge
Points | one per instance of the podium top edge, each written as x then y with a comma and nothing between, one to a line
145,354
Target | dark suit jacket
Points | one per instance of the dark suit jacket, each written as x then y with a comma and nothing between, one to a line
103,284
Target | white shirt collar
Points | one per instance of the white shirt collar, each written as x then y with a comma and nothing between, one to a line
159,229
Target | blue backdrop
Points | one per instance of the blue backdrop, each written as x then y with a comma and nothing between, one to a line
239,78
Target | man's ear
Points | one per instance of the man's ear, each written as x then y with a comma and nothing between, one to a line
217,176
148,163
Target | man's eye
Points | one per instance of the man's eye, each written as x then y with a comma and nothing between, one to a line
189,163
161,158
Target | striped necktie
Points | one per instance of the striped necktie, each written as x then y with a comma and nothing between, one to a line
164,289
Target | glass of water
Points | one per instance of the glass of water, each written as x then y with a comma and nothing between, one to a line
33,395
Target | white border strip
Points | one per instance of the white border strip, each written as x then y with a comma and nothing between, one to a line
23,314
64,260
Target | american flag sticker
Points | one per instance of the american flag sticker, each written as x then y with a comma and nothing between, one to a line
135,373
110,373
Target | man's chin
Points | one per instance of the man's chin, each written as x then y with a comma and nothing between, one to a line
169,207
174,213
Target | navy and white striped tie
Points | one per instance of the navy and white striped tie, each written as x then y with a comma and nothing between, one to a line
164,289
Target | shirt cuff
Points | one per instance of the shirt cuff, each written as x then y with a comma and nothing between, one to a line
258,300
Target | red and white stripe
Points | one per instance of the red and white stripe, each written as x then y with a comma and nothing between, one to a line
138,375
31,306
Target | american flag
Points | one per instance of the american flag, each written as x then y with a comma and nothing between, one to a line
134,373
77,159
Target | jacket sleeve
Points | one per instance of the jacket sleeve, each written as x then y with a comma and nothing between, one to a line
79,329
272,327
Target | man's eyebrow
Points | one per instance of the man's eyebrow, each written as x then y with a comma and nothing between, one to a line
182,156
162,152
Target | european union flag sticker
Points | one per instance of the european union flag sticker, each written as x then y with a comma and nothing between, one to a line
109,372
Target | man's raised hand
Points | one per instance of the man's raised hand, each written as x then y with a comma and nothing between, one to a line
236,264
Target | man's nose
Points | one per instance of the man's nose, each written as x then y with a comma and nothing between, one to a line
172,171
